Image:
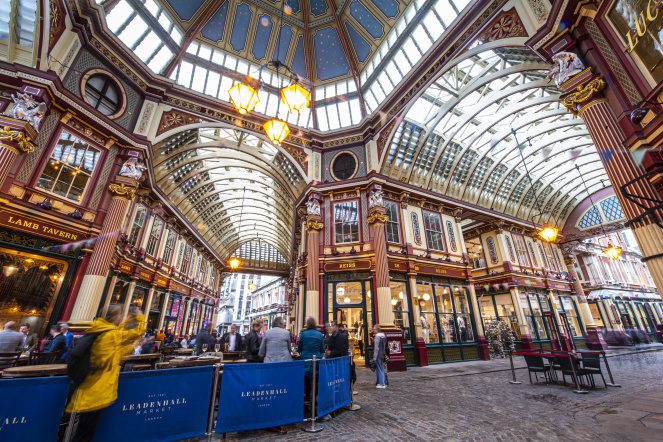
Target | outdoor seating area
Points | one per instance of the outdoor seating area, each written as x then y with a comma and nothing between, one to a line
581,367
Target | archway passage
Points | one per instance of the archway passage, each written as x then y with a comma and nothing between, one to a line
236,189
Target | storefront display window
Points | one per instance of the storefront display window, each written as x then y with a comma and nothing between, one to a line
566,306
119,292
499,307
534,306
29,286
70,167
445,310
596,314
399,302
425,315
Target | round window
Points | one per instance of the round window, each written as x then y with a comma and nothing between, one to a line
103,94
344,166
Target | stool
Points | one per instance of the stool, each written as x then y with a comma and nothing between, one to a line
141,367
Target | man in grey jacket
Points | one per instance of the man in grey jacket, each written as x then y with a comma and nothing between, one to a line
275,345
10,339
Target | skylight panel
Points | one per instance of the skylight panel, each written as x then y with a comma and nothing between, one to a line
321,114
133,31
184,77
119,15
165,21
205,52
433,25
355,110
192,48
176,35
344,112
445,11
160,60
212,86
332,114
147,47
226,83
152,7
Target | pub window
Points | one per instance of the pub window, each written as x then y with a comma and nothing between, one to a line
155,235
433,228
393,235
521,251
400,308
137,226
70,167
169,247
552,262
346,222
187,259
180,255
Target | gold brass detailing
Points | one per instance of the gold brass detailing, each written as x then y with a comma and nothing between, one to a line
314,225
377,217
24,143
582,94
122,190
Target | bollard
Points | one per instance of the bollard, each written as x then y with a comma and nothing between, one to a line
314,427
607,367
71,425
513,370
215,384
352,406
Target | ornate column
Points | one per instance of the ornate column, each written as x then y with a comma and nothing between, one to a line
593,338
15,139
187,311
162,315
376,226
129,297
89,295
584,97
313,226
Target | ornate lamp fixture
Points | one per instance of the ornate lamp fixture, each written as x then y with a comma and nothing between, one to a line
548,232
295,97
234,263
612,252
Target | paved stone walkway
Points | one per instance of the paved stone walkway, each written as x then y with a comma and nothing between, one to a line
454,402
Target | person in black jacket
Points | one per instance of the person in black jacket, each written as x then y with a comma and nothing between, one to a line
58,343
252,340
338,343
231,341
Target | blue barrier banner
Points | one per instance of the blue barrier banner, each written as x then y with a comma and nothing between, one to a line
158,405
30,409
334,389
257,396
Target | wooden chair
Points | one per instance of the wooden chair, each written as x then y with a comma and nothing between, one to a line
8,360
43,358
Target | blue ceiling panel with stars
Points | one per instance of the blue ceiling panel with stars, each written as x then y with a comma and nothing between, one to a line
320,40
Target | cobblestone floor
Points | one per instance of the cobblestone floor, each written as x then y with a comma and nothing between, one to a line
446,403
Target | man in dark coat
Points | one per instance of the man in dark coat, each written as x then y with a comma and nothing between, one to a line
232,340
338,343
252,341
205,338
58,342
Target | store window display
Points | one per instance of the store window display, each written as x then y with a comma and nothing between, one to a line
499,307
399,303
534,306
426,322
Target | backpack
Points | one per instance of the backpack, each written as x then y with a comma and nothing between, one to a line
78,365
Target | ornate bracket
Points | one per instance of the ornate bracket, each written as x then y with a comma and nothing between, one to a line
314,225
23,142
122,191
377,217
582,94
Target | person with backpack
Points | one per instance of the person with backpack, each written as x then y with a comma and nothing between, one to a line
379,356
94,366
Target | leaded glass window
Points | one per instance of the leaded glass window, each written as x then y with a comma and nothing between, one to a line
346,222
393,234
137,226
433,228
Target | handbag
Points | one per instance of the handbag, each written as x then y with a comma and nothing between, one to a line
371,364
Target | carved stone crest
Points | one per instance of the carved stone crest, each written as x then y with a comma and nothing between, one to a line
28,109
375,197
313,206
133,168
566,65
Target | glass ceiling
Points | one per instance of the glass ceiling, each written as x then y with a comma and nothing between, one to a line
359,50
232,186
456,138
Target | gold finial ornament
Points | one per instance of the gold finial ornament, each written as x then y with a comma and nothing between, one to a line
582,94
377,217
121,190
24,142
314,225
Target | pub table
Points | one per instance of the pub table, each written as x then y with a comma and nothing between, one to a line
177,363
33,371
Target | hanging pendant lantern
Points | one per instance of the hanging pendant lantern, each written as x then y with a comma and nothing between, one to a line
234,263
295,97
277,130
613,252
243,97
549,233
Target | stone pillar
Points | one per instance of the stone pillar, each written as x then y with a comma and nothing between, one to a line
593,338
150,298
15,139
89,295
525,338
187,312
584,97
164,306
128,298
313,226
111,287
481,334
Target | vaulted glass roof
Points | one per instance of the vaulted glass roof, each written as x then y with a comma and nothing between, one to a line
232,186
350,53
456,138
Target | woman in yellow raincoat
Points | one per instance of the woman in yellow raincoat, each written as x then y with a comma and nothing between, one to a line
99,389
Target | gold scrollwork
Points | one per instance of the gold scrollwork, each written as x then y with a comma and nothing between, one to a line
23,142
314,225
377,217
582,94
122,190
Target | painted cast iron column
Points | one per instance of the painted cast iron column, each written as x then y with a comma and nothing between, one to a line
584,97
313,226
376,225
593,338
15,139
164,306
89,295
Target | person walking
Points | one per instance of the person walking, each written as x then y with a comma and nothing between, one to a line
11,340
253,340
114,340
379,355
68,339
275,345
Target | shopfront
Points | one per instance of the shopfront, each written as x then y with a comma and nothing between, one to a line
538,315
35,279
567,310
498,307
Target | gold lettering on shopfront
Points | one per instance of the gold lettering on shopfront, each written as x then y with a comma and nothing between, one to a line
642,21
32,225
349,265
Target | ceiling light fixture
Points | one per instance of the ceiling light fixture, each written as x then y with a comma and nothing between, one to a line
612,252
548,232
244,96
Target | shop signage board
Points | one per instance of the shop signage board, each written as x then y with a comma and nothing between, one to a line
348,266
144,274
161,281
559,286
31,408
261,396
399,266
158,405
177,287
334,390
449,272
126,267
36,226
